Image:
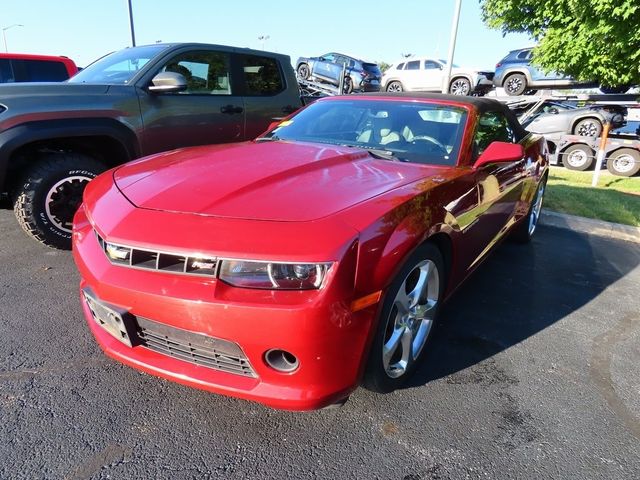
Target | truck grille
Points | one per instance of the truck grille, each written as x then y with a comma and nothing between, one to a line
193,347
156,260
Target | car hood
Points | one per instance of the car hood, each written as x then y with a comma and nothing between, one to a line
9,90
277,181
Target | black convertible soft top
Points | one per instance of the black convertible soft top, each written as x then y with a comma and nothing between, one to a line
481,104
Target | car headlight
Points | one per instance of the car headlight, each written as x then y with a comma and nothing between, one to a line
271,275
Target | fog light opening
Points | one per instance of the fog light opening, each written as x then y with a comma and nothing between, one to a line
281,360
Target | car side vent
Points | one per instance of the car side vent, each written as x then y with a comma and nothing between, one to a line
156,260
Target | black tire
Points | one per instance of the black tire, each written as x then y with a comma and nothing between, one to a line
624,162
303,71
578,157
460,86
395,87
376,377
524,231
347,86
515,84
48,196
588,127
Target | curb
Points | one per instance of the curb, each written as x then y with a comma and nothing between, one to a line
591,226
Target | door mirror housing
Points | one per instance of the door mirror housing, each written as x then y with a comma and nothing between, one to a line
500,152
168,82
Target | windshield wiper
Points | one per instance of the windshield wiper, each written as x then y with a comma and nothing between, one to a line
377,152
272,138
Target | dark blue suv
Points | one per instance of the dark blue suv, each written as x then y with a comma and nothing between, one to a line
360,76
517,76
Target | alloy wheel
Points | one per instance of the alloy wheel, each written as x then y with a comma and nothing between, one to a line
411,318
63,199
460,87
536,209
514,84
588,129
394,87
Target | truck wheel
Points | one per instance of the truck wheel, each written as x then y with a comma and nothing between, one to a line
49,195
624,162
588,127
395,87
515,84
460,86
303,71
578,157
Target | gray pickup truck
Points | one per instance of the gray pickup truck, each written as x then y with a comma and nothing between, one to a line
56,137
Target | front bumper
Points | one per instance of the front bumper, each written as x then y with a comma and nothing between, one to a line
317,326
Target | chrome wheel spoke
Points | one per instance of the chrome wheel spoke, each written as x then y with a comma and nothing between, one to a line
411,318
390,347
416,293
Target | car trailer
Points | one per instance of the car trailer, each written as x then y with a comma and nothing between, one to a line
312,88
575,152
622,153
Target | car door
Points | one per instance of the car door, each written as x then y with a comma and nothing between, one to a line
411,76
325,67
266,95
432,75
210,110
499,185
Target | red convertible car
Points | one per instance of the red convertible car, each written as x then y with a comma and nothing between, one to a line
293,268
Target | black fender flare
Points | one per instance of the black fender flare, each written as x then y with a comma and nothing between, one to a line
20,135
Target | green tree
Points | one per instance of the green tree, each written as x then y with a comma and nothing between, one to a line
383,66
587,39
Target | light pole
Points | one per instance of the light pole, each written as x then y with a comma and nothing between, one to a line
263,39
133,33
4,35
452,47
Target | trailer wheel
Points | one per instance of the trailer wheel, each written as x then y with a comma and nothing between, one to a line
578,157
624,162
588,127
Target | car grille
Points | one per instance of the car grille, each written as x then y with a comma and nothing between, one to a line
156,260
194,348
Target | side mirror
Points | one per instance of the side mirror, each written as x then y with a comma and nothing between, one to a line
322,59
168,82
500,152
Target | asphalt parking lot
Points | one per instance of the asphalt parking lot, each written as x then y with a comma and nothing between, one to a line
535,373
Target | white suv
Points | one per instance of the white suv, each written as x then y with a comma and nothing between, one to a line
425,74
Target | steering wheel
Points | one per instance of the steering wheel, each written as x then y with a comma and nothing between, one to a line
434,145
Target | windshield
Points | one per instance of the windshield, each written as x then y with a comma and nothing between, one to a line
444,62
408,131
119,67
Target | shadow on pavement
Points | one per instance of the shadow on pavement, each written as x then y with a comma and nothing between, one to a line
518,292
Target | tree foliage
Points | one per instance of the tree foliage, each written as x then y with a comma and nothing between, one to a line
589,40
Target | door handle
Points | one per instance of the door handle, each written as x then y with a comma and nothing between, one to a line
231,109
289,109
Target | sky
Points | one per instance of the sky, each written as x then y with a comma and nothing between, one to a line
85,30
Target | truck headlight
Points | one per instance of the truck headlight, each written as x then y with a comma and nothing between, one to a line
272,275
